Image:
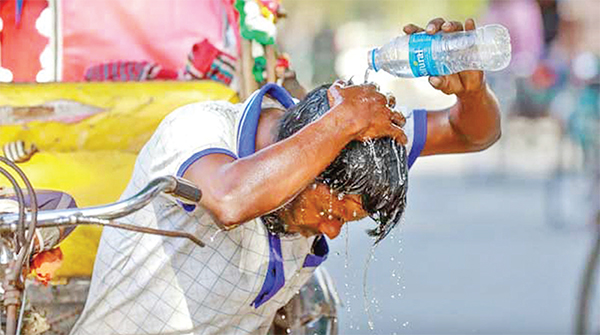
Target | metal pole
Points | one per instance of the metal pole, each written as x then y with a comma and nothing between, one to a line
271,63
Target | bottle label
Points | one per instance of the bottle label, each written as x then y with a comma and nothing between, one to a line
420,56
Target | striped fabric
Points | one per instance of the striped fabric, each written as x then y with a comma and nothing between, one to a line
205,61
18,152
128,71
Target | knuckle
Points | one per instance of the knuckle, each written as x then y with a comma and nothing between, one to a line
446,90
458,89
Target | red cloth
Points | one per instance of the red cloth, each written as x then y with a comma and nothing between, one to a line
205,61
158,31
22,44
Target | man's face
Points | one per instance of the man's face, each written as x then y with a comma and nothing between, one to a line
318,210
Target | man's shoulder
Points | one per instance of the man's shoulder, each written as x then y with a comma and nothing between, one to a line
205,109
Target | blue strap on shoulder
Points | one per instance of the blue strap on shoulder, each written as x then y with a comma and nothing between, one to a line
249,126
419,135
275,277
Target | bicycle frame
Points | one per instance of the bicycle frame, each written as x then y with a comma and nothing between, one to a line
98,215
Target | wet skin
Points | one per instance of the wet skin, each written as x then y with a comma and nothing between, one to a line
281,173
318,210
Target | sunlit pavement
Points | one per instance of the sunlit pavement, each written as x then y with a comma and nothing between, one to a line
474,255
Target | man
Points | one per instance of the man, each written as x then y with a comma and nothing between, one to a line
274,181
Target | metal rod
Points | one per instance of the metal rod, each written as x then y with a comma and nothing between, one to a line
32,197
271,63
13,278
80,220
247,63
27,247
106,212
21,201
21,311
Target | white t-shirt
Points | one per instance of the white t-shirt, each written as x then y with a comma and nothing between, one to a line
149,284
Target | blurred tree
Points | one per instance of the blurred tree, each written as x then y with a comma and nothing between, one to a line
390,13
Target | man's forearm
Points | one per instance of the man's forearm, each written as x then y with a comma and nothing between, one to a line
476,118
255,185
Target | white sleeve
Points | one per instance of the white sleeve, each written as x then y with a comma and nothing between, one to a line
187,134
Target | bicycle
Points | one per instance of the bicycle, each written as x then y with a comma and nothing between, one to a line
17,230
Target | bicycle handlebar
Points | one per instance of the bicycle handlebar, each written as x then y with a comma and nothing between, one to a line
168,184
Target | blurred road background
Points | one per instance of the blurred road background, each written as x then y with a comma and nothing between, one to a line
493,242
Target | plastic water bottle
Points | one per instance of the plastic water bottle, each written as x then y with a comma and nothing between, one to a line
416,55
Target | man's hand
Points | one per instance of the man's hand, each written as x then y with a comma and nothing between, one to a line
369,110
473,123
463,83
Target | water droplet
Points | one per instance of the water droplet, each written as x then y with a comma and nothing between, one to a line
330,191
405,324
314,186
322,213
212,238
340,196
367,73
330,210
330,217
288,330
283,317
354,214
365,290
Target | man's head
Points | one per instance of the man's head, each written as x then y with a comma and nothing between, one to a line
367,178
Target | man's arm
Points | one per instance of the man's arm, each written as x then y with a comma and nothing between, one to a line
235,191
473,123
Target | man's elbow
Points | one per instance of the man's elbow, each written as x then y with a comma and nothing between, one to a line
227,211
487,142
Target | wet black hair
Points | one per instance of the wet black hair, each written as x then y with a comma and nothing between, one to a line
376,169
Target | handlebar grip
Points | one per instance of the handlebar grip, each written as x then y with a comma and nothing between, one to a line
186,190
